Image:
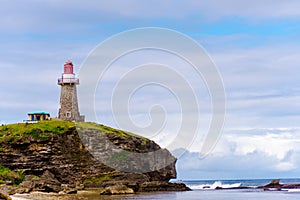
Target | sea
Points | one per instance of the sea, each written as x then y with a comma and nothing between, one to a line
205,190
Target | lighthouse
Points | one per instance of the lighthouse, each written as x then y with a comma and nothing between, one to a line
68,96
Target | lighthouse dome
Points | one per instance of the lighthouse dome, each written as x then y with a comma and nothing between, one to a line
68,67
68,77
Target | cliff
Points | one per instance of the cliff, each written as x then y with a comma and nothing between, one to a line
54,156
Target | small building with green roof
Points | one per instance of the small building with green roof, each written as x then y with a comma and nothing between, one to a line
38,115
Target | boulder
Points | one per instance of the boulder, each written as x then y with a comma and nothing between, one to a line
162,186
46,183
4,196
273,185
116,190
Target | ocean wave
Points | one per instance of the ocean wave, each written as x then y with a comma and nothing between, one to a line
294,190
217,184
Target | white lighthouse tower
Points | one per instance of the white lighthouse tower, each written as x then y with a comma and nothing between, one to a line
68,96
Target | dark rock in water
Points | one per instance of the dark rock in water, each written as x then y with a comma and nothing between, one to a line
162,186
290,186
275,182
273,185
117,189
57,156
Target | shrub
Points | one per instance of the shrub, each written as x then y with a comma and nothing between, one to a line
13,178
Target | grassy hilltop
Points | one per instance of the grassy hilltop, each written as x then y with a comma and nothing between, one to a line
44,129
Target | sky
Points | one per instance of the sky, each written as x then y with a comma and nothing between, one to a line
254,45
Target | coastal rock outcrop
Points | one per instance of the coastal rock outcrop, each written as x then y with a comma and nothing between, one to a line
117,189
63,156
276,185
46,183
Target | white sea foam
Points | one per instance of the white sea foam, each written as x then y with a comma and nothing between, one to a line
213,186
293,190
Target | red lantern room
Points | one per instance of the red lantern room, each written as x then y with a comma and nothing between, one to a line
68,67
68,77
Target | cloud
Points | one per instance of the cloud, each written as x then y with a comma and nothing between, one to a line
285,166
252,153
261,83
178,9
276,145
57,17
249,9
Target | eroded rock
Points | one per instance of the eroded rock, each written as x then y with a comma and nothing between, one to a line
4,196
116,190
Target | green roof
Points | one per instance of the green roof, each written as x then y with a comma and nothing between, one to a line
41,112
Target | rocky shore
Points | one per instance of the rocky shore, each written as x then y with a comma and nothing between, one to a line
274,185
55,156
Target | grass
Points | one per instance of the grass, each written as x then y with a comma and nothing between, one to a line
107,129
96,180
14,178
43,126
41,130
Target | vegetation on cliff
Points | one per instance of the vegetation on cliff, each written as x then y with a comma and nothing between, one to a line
107,129
44,129
10,177
59,154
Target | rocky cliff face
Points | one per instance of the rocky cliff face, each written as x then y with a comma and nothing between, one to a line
85,155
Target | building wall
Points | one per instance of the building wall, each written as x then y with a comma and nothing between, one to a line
68,104
38,117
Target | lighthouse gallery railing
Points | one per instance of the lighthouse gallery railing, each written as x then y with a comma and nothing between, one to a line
68,80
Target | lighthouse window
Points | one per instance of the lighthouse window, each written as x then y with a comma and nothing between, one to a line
68,70
68,114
